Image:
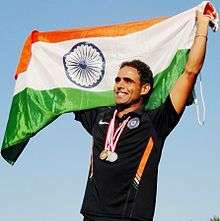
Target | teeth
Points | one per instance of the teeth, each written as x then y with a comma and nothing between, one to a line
121,94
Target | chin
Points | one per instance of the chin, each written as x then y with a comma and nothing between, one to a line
118,102
121,100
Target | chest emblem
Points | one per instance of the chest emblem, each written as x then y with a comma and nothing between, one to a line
133,123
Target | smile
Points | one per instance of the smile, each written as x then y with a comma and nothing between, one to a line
121,93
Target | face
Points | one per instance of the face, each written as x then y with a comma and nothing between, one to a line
128,88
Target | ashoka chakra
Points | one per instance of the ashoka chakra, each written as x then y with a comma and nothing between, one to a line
84,65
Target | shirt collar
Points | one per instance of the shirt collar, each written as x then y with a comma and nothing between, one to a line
136,113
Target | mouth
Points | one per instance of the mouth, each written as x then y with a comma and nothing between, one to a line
121,93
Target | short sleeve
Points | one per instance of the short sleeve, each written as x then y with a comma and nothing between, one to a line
87,118
164,118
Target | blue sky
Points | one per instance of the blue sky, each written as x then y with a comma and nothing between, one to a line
48,181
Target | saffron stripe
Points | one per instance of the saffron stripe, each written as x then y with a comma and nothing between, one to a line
71,34
145,158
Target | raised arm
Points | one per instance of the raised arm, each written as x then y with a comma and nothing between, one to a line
184,85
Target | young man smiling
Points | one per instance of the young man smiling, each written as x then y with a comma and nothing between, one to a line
130,89
127,147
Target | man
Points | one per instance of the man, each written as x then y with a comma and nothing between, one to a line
128,140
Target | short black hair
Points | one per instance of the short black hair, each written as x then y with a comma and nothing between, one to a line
144,71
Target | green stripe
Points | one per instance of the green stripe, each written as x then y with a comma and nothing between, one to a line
32,110
165,80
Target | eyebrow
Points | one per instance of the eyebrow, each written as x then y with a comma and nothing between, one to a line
126,79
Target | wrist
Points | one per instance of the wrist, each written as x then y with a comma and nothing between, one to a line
201,36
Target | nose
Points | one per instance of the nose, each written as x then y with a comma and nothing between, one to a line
120,83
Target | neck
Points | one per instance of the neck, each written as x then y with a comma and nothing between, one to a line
124,109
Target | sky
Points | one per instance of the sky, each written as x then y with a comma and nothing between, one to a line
47,182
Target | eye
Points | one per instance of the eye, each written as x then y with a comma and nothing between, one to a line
117,79
128,80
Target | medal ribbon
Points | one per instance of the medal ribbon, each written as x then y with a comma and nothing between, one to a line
112,134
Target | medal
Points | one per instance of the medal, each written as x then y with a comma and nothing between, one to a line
112,156
111,141
104,154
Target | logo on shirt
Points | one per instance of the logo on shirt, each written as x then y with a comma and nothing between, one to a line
133,123
101,122
84,65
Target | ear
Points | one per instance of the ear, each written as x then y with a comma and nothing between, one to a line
145,89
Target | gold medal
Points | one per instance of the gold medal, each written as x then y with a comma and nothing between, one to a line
104,154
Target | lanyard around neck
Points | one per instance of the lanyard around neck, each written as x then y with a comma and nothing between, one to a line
114,134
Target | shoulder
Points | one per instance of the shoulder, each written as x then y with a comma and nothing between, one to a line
166,106
92,113
164,118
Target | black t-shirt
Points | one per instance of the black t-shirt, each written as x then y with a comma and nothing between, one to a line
127,187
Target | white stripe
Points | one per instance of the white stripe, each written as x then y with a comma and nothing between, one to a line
136,180
156,46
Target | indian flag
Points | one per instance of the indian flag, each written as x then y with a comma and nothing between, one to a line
71,70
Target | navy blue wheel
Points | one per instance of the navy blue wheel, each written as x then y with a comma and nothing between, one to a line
84,65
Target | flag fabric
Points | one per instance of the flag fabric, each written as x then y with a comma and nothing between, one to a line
71,70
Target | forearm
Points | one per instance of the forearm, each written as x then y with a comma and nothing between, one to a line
197,52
